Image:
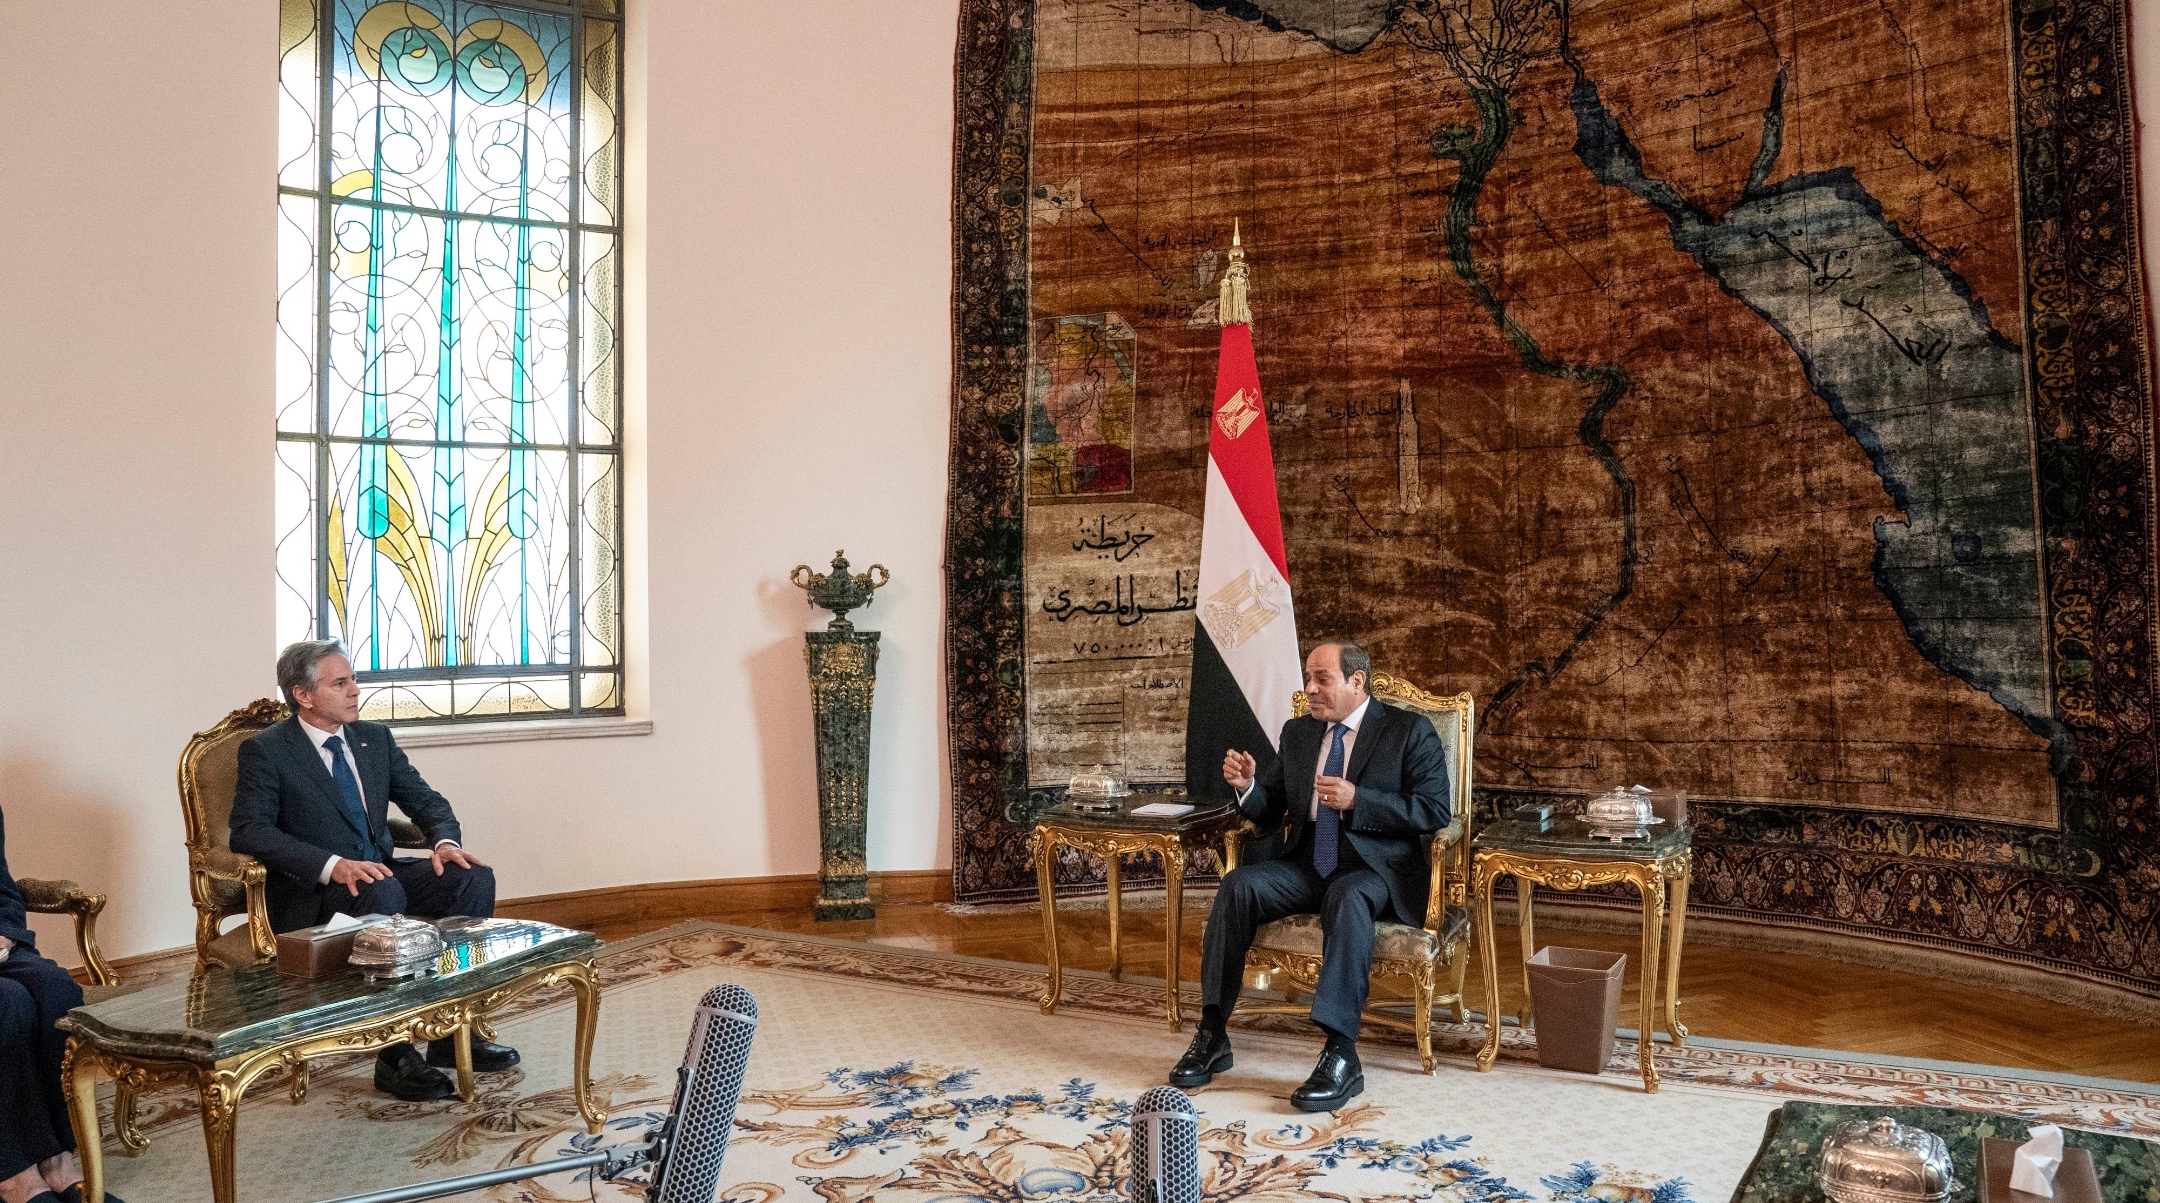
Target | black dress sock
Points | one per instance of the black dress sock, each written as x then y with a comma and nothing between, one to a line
1211,1020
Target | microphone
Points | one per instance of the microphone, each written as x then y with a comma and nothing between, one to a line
1165,1148
685,1150
708,1086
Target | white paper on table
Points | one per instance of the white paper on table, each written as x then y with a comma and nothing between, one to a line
1161,810
2037,1160
341,922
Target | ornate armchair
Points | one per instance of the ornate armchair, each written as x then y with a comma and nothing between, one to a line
66,898
1405,958
224,883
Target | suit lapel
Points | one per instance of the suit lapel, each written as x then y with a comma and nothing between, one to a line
312,767
1369,735
1298,774
372,758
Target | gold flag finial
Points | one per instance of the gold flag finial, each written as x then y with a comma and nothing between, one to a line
1232,309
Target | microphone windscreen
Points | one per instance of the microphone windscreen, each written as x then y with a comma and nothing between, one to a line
1165,1148
717,1057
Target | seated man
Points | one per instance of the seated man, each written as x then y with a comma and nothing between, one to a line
313,803
37,1139
1364,787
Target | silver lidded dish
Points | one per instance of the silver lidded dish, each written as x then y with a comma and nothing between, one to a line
1621,814
1095,789
396,949
1883,1161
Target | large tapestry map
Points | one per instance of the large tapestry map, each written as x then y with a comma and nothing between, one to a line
1744,395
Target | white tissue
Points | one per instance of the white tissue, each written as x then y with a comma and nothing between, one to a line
341,922
2037,1159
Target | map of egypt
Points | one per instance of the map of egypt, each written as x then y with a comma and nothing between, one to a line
1655,372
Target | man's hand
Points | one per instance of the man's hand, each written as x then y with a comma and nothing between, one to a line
352,874
6,946
451,854
1238,769
1335,793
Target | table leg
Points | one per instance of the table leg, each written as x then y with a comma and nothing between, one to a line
1113,862
78,1082
587,988
1173,863
1653,924
1524,894
1045,870
1482,903
1678,921
462,1042
220,1103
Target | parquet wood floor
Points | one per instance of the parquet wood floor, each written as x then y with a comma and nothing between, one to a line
1730,993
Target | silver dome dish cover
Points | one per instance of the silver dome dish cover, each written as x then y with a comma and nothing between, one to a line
1620,813
396,948
1883,1161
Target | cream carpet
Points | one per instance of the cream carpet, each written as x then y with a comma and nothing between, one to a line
883,1073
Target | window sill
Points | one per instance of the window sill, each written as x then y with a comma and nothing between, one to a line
520,732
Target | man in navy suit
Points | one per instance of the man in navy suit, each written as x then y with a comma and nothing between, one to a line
1363,787
313,803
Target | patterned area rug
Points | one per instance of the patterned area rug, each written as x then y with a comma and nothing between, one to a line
890,1074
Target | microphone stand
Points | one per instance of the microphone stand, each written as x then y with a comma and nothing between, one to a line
614,1163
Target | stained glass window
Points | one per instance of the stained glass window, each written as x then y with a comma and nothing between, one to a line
449,451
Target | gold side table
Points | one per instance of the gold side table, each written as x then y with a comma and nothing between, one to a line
223,1029
1566,856
1112,835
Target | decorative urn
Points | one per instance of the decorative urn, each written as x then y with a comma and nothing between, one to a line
843,681
1883,1161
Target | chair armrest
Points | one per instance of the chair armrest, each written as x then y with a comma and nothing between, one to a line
404,833
1436,899
1234,844
227,865
67,898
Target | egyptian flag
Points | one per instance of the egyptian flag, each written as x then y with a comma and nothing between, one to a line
1245,647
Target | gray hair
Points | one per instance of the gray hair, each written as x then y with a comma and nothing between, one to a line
299,666
1354,659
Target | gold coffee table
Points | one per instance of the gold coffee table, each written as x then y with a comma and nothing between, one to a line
1113,834
1566,856
223,1029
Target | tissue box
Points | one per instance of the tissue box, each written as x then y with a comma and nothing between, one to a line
2075,1179
314,952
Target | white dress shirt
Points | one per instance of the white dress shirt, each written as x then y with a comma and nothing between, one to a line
1327,737
319,737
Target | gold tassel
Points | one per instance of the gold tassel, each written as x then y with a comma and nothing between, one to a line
1232,309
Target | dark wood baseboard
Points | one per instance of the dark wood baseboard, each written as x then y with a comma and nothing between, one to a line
670,900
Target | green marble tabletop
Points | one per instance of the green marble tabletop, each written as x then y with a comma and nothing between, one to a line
1784,1167
1205,815
228,1012
1571,837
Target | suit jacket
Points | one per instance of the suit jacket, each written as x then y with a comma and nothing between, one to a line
288,813
14,920
1400,770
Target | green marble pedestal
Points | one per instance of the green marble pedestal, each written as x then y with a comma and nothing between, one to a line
843,676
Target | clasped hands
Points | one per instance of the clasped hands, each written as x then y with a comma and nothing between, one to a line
352,874
1335,793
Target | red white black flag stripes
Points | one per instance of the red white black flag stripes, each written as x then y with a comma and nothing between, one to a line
1245,644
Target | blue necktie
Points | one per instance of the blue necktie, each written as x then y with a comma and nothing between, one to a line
1327,826
348,785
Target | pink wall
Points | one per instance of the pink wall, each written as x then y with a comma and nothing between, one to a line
789,333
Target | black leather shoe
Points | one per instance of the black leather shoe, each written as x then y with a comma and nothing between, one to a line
487,1058
73,1194
1336,1080
401,1074
1208,1055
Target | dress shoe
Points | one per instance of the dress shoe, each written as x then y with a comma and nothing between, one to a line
487,1057
73,1194
1336,1080
1208,1055
400,1073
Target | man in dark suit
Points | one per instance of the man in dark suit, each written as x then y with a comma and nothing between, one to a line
313,803
1363,787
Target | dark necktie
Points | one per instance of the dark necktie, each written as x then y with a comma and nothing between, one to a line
1328,823
347,784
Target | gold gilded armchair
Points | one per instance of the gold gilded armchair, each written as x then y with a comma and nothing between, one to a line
66,898
1405,958
224,883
